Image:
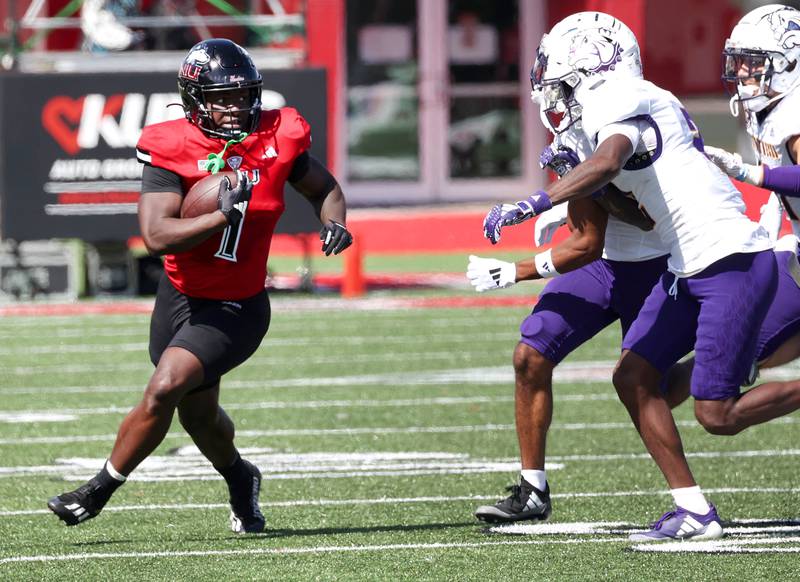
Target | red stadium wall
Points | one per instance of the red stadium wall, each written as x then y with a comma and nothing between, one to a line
409,231
325,24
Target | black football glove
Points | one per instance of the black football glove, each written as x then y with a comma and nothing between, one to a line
335,238
228,197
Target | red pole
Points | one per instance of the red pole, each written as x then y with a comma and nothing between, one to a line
325,24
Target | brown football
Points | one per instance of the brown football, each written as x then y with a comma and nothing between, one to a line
202,196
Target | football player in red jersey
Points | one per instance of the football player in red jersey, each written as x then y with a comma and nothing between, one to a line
211,309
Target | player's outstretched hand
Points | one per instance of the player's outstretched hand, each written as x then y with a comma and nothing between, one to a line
230,198
733,165
488,274
729,163
335,238
508,214
547,224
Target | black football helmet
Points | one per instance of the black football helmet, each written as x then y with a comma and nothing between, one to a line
215,65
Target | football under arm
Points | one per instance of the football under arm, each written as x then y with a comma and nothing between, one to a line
595,172
165,233
587,222
313,180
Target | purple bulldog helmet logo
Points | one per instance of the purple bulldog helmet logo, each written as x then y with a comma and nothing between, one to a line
594,53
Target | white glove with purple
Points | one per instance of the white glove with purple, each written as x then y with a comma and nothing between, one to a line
489,274
560,159
732,164
509,214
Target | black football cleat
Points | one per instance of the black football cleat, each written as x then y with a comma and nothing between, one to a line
246,516
77,506
526,502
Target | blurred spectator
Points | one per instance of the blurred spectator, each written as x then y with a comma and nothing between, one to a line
179,37
101,29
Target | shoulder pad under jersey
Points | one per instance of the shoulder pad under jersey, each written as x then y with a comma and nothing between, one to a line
295,127
161,143
612,101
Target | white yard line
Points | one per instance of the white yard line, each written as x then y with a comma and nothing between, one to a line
589,371
254,362
768,545
342,466
729,545
355,431
354,340
283,551
321,404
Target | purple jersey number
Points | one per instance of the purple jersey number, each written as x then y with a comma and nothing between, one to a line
697,139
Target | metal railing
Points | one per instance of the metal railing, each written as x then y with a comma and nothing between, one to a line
24,57
250,20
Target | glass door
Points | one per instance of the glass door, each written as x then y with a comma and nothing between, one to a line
382,102
492,129
438,104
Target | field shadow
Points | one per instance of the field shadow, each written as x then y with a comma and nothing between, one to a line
278,533
288,533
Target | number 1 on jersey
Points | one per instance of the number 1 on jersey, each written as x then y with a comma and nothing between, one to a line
230,237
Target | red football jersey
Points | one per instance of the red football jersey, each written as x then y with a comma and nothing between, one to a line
231,264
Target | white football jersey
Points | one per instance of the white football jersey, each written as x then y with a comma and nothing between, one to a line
769,142
699,214
624,242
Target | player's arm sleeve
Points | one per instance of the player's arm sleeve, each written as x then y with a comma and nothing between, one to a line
160,180
785,180
300,167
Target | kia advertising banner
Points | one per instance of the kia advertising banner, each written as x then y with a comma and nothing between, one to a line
68,165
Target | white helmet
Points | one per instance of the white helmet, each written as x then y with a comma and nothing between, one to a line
761,57
581,46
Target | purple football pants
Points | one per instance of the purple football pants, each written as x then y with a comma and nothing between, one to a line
783,318
717,312
576,306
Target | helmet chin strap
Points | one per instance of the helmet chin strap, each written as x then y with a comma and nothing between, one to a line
733,105
735,100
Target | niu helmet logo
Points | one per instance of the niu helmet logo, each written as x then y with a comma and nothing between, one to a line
80,123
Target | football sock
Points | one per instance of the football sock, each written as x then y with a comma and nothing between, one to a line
114,473
691,499
535,477
108,482
236,472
